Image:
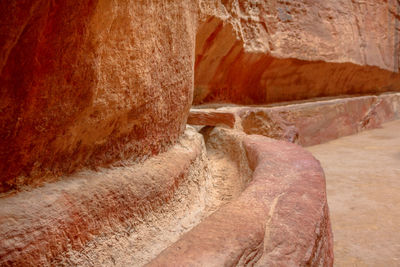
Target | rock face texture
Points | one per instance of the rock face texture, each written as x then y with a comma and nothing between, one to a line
36,227
87,84
280,219
308,123
211,117
98,92
252,52
318,122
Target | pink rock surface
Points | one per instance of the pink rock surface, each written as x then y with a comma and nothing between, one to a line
91,83
281,218
311,122
322,121
270,124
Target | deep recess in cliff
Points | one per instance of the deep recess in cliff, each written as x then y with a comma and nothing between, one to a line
257,52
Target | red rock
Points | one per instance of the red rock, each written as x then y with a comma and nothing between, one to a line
88,83
317,122
281,218
268,51
211,118
270,124
384,109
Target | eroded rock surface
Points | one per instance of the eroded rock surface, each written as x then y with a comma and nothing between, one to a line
88,84
101,83
54,224
307,122
252,52
280,219
84,84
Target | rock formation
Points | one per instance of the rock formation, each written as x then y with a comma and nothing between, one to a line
305,123
254,52
98,166
267,234
87,84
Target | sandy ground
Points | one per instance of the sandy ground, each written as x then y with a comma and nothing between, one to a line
363,185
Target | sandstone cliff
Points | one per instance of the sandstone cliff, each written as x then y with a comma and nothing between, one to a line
88,83
251,52
98,83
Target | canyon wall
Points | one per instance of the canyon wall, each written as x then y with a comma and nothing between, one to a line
98,83
89,83
255,52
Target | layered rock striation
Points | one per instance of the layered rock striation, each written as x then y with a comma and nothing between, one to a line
49,225
94,100
94,83
255,52
306,122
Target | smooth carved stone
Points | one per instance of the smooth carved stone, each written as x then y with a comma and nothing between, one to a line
267,51
88,83
280,219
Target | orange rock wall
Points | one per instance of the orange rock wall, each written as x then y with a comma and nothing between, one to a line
253,52
88,83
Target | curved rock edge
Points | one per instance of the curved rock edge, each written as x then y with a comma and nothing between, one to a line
281,218
37,226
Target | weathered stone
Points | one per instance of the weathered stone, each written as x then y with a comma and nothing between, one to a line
100,83
312,122
321,121
281,218
37,226
211,118
252,52
88,83
269,124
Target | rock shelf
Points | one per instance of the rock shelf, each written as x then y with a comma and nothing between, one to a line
306,123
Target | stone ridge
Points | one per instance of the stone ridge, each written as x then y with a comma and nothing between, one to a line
37,226
306,123
90,84
281,218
